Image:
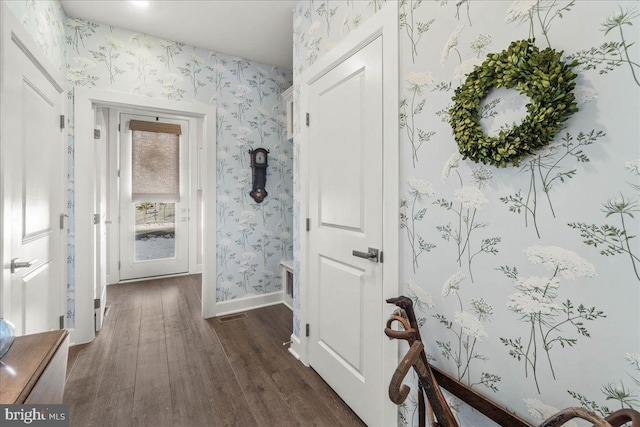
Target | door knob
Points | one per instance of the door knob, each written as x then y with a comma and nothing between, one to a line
17,264
371,255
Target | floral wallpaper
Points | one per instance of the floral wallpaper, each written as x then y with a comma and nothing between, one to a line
524,278
44,21
252,238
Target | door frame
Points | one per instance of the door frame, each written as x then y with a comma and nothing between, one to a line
101,168
193,185
383,24
204,131
11,30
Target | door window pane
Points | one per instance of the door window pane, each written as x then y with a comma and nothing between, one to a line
155,165
155,231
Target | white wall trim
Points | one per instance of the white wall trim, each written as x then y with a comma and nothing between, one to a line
193,137
385,24
113,202
205,116
286,303
294,348
252,302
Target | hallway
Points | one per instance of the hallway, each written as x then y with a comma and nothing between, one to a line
156,362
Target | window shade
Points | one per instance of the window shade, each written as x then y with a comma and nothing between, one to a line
155,163
155,127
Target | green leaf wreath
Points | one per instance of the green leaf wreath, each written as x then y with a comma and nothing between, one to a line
542,76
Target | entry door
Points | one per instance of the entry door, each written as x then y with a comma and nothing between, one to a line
345,205
100,153
32,163
154,196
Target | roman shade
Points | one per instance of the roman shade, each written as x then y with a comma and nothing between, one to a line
155,127
155,161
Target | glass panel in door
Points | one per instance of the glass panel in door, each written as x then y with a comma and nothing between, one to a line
155,231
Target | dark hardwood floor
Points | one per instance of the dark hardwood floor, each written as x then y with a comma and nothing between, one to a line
156,362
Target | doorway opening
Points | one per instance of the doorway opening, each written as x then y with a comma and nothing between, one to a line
192,207
154,202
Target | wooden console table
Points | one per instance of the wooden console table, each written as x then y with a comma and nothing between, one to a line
34,369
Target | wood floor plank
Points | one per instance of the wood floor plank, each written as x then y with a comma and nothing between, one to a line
151,298
151,329
120,371
309,407
74,352
131,294
268,405
80,395
120,368
189,399
224,394
152,396
172,311
157,362
94,356
115,294
114,409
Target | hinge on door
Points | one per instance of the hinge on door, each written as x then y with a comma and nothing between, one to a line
96,134
118,127
118,265
96,303
62,216
96,219
118,173
307,119
61,322
308,224
61,121
307,329
380,257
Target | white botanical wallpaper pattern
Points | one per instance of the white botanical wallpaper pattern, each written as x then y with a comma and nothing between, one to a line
44,21
252,238
526,280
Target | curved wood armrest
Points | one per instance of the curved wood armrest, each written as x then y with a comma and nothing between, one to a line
568,414
622,416
397,391
616,419
408,334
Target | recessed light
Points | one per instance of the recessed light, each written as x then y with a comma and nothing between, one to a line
140,3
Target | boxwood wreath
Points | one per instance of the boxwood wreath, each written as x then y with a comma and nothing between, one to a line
542,76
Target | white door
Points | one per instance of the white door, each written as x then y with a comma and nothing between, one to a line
100,156
32,181
345,206
154,197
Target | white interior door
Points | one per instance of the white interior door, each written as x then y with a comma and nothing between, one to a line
32,163
154,198
345,207
100,153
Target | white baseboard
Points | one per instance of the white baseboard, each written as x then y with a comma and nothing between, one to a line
76,337
250,303
142,279
295,348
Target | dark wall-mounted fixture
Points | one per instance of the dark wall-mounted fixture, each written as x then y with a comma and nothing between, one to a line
259,165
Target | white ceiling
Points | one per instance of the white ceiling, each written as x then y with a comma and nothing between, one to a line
260,30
